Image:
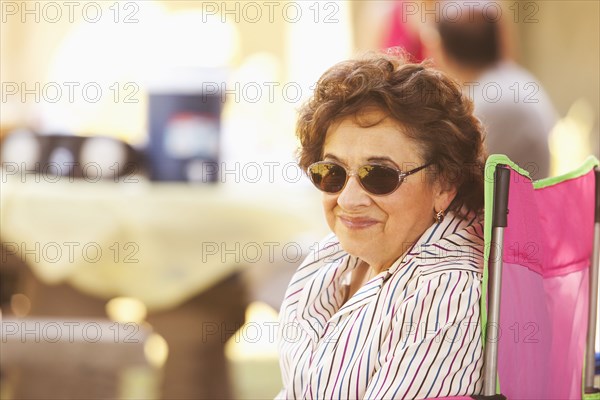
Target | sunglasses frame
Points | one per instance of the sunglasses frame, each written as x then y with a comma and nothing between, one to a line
401,175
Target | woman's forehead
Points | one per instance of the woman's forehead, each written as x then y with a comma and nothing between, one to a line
352,143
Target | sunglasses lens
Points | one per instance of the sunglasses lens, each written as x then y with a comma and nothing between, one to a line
378,179
327,177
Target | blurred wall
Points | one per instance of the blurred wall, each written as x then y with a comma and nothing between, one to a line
559,41
561,45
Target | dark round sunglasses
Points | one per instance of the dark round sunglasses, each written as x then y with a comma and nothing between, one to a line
376,179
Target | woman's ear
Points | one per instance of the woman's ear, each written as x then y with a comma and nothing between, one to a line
443,196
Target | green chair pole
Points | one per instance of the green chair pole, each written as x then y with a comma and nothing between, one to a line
499,222
590,348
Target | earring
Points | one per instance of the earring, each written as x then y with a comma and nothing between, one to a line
439,216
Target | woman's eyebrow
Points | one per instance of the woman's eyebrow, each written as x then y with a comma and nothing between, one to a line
382,159
331,156
376,159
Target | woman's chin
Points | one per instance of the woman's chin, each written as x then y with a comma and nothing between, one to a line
357,247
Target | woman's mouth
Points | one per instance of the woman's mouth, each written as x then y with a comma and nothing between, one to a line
357,222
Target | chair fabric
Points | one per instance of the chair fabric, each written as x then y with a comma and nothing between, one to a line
544,297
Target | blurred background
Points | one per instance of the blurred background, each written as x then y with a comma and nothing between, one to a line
152,211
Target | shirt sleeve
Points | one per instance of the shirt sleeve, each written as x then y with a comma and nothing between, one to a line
433,348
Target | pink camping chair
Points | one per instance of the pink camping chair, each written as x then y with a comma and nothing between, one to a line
542,248
544,241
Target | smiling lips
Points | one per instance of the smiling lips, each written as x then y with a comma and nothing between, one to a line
357,222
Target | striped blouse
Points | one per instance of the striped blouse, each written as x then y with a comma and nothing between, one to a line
411,332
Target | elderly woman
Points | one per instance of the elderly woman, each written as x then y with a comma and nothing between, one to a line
387,306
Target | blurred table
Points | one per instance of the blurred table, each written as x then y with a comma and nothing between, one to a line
176,247
159,243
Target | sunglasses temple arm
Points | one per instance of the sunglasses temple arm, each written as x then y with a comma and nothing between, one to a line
413,171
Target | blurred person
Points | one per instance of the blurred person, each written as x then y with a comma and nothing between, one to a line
403,30
512,105
387,305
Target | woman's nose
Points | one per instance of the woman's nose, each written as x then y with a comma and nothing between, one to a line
353,195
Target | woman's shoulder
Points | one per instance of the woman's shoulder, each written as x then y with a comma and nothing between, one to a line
325,253
459,250
325,250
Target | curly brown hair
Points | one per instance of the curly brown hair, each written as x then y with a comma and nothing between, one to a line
426,103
